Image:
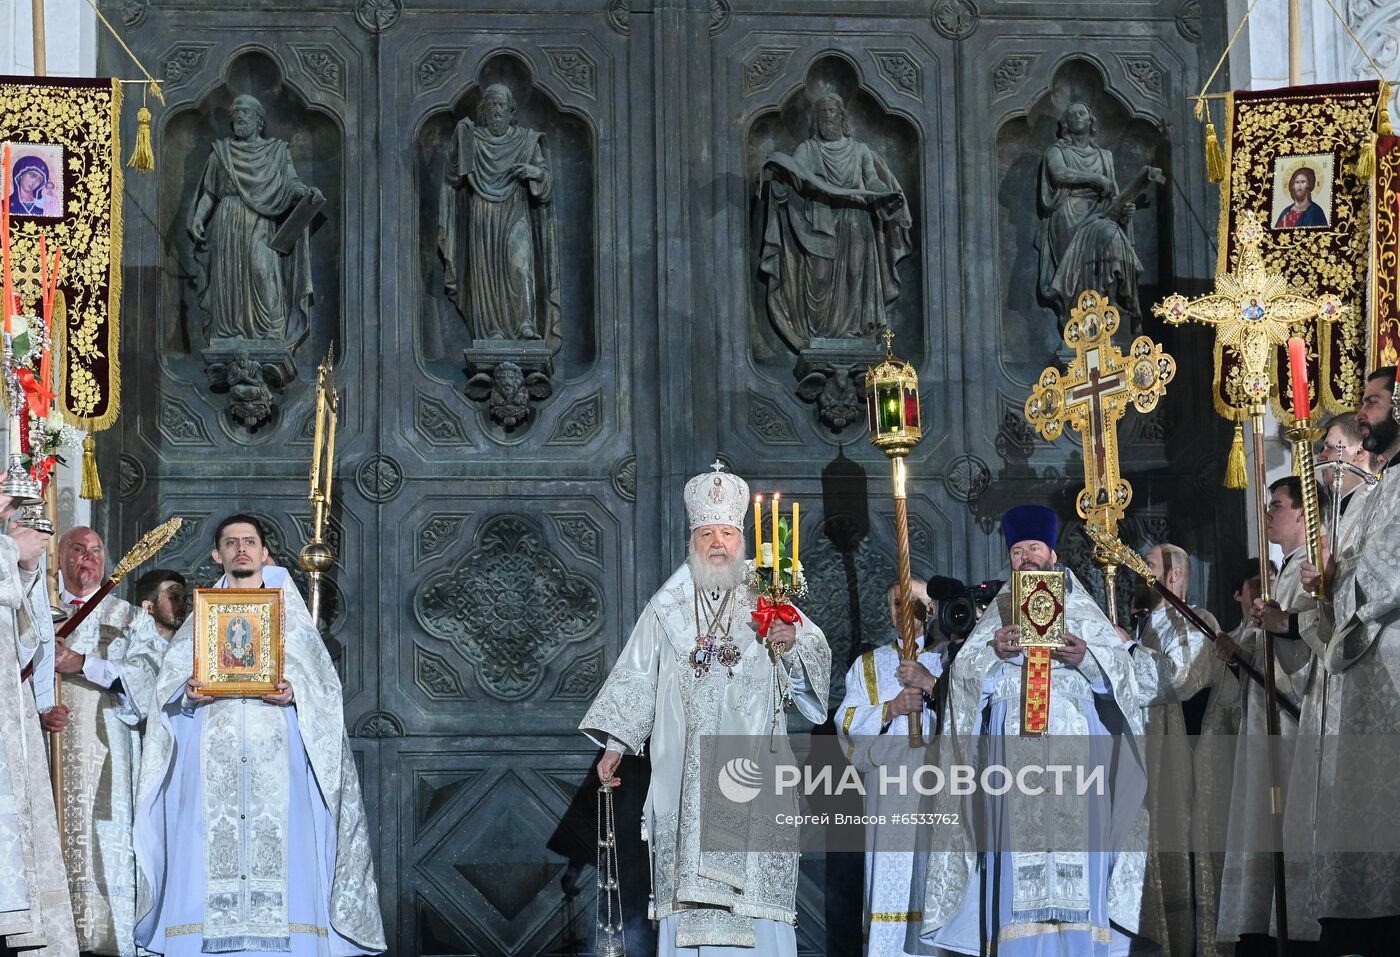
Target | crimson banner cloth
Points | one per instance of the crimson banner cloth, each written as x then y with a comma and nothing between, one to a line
1292,158
67,186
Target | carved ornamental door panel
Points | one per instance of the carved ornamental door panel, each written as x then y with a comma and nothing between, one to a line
545,263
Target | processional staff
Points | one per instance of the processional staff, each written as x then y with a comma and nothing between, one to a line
1091,396
892,402
317,556
1254,312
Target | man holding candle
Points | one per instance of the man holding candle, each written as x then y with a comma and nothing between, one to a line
693,667
1344,869
1067,879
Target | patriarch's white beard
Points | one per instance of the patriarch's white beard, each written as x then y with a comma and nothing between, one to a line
709,576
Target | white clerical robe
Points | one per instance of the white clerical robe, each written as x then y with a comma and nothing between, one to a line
101,751
1077,901
250,831
654,694
1247,880
1346,778
1174,662
34,908
864,725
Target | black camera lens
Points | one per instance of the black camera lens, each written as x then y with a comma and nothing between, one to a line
957,616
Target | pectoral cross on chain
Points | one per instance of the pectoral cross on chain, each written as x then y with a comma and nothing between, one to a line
1092,395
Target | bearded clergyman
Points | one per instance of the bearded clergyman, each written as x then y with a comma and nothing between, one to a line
1050,874
695,666
1343,863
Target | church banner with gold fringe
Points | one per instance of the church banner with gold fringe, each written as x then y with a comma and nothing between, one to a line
1292,157
1385,326
67,187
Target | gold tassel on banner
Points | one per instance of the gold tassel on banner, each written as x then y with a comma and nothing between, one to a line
1383,126
1215,157
1236,476
143,157
92,485
1366,159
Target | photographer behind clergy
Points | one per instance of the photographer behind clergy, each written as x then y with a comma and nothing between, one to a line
695,666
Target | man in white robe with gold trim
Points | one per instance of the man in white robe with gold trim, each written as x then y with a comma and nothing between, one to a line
874,715
1012,891
250,830
35,913
694,666
101,746
1343,866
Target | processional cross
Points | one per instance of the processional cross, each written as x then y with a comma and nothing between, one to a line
1091,396
1254,312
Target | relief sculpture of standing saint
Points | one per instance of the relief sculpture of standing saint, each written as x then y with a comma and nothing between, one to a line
248,187
1084,241
496,227
836,226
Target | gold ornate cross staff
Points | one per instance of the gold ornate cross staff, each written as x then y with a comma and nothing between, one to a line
317,556
1091,396
1254,311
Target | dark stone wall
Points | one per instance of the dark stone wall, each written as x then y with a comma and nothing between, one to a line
489,574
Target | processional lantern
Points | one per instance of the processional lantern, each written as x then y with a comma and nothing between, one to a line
892,405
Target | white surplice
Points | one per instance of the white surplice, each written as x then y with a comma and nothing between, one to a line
101,751
1345,778
863,722
1247,879
1065,902
35,911
250,831
1174,661
653,694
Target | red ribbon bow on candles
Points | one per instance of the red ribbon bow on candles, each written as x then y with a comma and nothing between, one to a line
38,397
769,610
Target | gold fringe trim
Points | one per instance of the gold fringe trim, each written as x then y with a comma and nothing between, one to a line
92,484
1236,475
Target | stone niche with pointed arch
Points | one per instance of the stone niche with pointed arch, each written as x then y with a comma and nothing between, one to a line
510,375
1029,332
830,371
252,372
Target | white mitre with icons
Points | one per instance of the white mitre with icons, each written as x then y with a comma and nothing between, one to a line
716,497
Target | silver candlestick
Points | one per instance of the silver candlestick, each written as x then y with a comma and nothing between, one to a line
610,941
19,484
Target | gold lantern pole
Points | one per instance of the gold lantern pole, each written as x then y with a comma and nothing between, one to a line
892,404
317,556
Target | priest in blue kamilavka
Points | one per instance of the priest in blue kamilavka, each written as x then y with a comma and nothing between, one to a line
695,667
1059,873
250,831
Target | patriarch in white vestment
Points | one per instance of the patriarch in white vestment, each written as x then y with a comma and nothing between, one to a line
694,667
